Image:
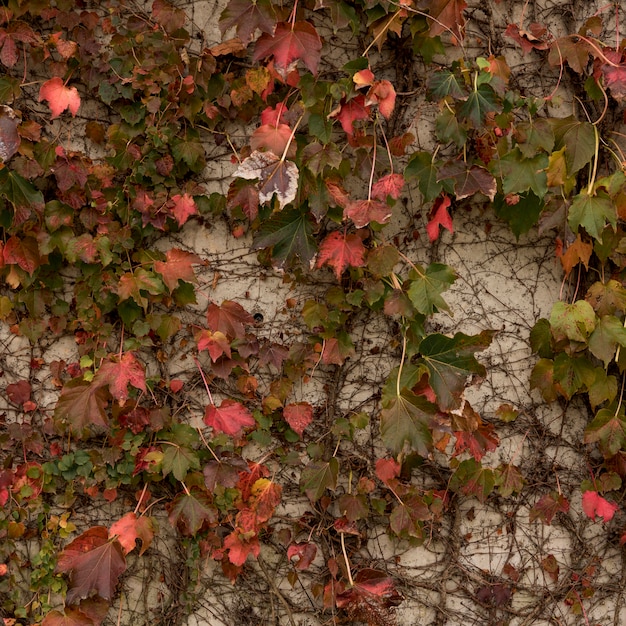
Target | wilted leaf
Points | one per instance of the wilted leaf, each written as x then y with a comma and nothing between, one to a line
362,212
301,554
94,564
468,180
351,111
168,16
607,298
534,38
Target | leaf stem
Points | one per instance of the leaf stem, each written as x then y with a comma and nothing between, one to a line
345,556
206,382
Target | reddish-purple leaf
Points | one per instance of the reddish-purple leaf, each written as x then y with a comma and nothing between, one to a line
290,43
94,564
19,392
351,111
298,415
22,252
340,251
245,195
231,417
548,506
81,404
248,16
118,373
230,318
301,554
168,16
387,470
9,138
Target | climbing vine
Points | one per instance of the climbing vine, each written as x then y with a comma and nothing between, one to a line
109,110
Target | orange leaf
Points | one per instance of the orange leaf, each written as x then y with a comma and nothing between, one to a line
59,97
341,251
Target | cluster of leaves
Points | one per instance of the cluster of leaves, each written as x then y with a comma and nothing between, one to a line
78,257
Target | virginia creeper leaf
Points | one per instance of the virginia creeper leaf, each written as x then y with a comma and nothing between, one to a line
607,298
231,417
447,17
318,476
480,101
341,251
592,213
608,334
81,404
595,505
428,285
59,97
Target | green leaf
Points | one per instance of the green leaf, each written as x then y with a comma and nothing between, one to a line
573,375
472,479
178,460
445,83
603,388
542,379
541,339
521,216
481,101
406,419
448,129
318,476
421,167
450,360
608,334
289,234
579,141
19,192
509,479
608,429
427,286
191,153
572,321
520,174
592,213
534,135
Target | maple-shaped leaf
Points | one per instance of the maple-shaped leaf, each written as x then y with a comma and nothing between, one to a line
608,429
614,74
337,349
450,360
520,174
229,318
480,101
447,16
427,286
421,166
244,195
19,392
577,252
301,555
468,180
406,519
217,343
573,321
184,207
134,284
548,506
340,251
224,472
240,546
118,373
178,460
129,528
407,419
94,564
534,38
231,417
290,43
21,194
573,49
509,479
594,505
472,479
168,16
23,252
192,511
81,404
477,442
276,176
59,97
248,16
350,112
592,213
362,212
177,266
439,216
298,415
264,497
90,612
607,335
387,470
273,137
389,185
318,476
9,137
579,140
607,298
289,233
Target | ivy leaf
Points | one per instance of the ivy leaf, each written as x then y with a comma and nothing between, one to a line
608,334
578,252
265,496
595,505
275,176
81,404
94,564
192,511
439,216
407,418
231,417
607,298
446,83
248,17
298,415
168,16
480,101
374,593
532,39
422,168
229,319
446,16
118,373
301,555
522,213
318,476
289,43
240,545
340,251
572,375
289,234
428,285
178,460
362,212
592,213
572,321
579,140
59,97
534,135
129,528
178,265
548,506
184,207
608,430
520,174
509,480
450,360
448,129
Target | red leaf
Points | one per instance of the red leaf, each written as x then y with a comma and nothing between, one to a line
390,185
362,212
9,138
264,498
118,373
351,111
177,266
59,97
341,251
535,38
247,16
301,554
216,343
594,504
372,597
548,506
245,195
239,547
94,564
298,415
19,392
447,16
230,418
387,470
273,137
615,74
439,216
382,93
478,442
168,16
22,252
288,44
81,404
184,207
130,528
229,319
